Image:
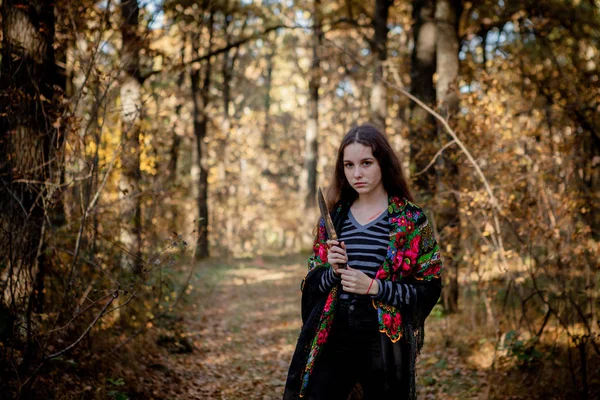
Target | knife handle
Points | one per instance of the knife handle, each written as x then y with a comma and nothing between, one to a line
345,265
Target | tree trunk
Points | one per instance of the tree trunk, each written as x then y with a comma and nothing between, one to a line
447,14
131,114
200,98
176,143
422,125
309,177
225,199
268,83
226,73
30,151
379,91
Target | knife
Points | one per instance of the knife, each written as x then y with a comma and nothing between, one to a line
327,218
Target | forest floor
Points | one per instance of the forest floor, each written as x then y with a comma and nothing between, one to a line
240,323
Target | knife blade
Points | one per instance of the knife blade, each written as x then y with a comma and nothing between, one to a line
327,218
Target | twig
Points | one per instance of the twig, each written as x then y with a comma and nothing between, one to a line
145,326
29,380
493,201
94,55
440,151
74,316
115,294
223,49
444,122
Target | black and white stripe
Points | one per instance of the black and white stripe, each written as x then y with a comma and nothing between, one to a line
396,294
366,246
328,280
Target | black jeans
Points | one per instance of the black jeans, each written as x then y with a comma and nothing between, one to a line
352,354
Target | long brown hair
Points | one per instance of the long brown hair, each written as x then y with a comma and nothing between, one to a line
394,181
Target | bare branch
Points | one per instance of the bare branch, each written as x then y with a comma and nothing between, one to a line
115,294
239,43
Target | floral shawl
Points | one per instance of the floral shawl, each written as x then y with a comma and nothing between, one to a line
412,256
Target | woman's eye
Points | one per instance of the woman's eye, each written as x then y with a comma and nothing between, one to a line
367,163
347,165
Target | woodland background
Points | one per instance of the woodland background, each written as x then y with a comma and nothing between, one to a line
159,164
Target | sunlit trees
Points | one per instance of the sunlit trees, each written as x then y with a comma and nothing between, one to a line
213,122
308,182
132,115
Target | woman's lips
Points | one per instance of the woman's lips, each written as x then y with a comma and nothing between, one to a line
360,184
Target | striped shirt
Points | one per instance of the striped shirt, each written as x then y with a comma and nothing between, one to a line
366,247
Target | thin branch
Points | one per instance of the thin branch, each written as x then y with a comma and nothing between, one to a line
493,201
74,317
440,151
352,23
29,380
237,43
115,294
162,315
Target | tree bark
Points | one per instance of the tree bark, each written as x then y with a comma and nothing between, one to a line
226,73
30,153
131,114
309,177
200,98
268,83
379,48
176,143
225,199
422,124
447,14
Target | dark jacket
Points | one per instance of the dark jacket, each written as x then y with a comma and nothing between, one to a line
413,258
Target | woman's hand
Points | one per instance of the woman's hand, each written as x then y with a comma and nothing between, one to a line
355,281
336,256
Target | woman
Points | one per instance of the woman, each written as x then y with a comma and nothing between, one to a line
364,324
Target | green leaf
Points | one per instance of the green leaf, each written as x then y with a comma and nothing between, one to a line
118,395
116,382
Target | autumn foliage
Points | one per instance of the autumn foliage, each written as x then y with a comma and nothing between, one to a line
154,154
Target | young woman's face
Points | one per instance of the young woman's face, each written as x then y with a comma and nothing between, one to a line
361,168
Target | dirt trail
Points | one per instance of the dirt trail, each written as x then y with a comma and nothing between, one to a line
243,321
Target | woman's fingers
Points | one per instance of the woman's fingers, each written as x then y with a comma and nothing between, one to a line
334,246
347,279
338,250
337,257
353,280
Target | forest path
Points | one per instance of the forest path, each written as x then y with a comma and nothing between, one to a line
243,320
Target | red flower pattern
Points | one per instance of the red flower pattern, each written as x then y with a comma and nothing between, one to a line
405,259
395,324
433,270
400,239
381,274
322,337
323,253
328,304
387,320
401,261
